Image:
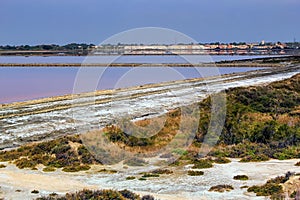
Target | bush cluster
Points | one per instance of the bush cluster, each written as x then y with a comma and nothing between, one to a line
202,163
195,173
272,187
221,188
53,154
261,122
241,177
253,152
99,194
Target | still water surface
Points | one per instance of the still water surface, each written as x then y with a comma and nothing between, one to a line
26,83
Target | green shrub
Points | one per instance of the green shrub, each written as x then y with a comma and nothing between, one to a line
76,168
25,163
55,153
129,195
255,158
85,156
221,160
148,197
35,192
266,190
202,163
148,175
293,195
60,149
271,187
2,166
130,178
108,171
241,177
49,169
180,152
162,171
53,194
57,163
195,173
11,155
99,195
221,188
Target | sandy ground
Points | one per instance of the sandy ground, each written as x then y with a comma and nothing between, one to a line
18,184
175,186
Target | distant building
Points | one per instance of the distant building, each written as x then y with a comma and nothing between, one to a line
212,48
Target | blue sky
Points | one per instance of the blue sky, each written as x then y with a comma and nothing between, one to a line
92,21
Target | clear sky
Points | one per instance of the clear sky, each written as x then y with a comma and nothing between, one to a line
92,21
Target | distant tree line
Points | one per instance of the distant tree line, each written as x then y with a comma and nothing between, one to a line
48,47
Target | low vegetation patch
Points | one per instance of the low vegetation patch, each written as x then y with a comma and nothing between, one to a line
202,163
255,158
149,175
35,192
130,178
272,187
180,152
49,169
221,188
99,194
76,168
262,122
221,160
25,163
58,153
148,197
244,186
241,177
253,152
162,171
195,173
108,171
2,166
297,164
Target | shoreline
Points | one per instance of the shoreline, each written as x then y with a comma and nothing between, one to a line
235,64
